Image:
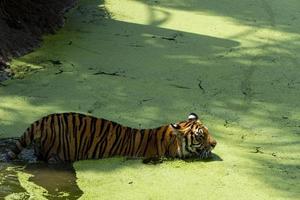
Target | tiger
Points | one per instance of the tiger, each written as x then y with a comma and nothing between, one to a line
69,137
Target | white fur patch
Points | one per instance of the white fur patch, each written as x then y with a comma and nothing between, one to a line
175,125
192,116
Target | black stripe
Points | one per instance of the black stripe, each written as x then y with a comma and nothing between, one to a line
83,125
122,140
132,135
102,137
149,139
23,138
46,134
31,133
74,124
95,151
111,125
83,154
128,148
105,132
52,139
83,143
125,144
42,126
117,141
58,135
164,134
187,145
61,120
67,135
62,131
192,126
142,133
102,149
93,131
52,128
90,139
103,129
127,151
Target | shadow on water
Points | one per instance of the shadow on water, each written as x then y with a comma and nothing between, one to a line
58,180
214,157
55,181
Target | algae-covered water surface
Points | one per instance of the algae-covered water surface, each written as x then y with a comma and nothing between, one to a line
148,63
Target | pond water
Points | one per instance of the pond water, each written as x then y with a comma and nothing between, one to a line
26,178
50,182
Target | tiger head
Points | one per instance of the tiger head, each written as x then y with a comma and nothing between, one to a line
194,138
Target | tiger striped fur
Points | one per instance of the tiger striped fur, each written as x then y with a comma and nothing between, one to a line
69,137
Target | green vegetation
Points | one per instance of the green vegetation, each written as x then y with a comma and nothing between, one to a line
147,63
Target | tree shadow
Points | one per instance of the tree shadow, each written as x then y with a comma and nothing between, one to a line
281,173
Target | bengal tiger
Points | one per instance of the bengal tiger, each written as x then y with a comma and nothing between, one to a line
68,137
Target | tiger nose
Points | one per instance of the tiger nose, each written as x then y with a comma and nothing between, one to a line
213,143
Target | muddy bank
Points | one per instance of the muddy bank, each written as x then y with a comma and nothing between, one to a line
22,24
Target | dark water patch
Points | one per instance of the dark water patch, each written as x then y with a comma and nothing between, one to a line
58,180
9,182
214,157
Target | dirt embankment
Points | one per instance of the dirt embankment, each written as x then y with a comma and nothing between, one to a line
22,24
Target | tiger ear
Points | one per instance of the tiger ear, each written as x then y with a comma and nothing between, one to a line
175,126
193,116
176,129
